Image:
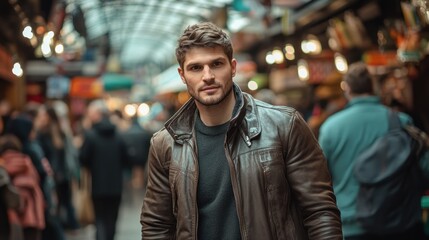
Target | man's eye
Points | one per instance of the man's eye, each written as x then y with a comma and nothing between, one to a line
195,68
217,64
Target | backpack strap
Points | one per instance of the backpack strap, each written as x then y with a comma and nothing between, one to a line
394,121
414,132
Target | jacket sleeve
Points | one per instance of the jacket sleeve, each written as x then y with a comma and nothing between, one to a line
310,182
157,219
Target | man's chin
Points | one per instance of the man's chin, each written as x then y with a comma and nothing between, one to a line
209,100
212,100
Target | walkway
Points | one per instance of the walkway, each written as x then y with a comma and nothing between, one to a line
128,226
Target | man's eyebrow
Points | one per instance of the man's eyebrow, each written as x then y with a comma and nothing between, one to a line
211,61
192,64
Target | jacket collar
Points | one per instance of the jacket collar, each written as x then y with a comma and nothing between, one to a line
181,124
364,100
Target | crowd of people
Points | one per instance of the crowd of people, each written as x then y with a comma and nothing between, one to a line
41,165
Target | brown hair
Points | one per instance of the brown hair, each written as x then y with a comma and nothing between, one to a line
359,79
203,34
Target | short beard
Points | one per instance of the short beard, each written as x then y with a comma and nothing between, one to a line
213,103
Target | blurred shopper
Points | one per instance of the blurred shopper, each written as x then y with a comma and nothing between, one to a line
346,134
5,113
58,148
117,118
22,127
9,200
2,124
104,153
138,142
227,166
29,216
62,111
4,186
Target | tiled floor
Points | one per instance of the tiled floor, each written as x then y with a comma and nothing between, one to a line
128,226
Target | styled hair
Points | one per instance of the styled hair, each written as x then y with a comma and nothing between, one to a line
205,34
359,79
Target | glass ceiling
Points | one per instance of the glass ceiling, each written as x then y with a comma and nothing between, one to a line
142,31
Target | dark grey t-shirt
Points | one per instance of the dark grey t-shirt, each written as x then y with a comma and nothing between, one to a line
216,205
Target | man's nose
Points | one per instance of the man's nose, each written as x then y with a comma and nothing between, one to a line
207,74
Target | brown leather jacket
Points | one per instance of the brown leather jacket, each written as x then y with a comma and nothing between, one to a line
279,177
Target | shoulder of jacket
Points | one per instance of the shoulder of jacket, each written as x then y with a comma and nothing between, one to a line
161,136
269,108
90,132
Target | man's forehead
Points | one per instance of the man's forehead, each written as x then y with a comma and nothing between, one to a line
201,55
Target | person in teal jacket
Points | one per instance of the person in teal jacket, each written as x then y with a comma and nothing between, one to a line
346,134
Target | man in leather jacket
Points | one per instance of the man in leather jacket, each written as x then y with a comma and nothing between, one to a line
227,166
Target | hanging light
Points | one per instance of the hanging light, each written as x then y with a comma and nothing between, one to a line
28,32
46,49
269,58
289,52
252,85
278,56
17,69
46,44
303,72
59,48
311,45
130,110
143,109
340,63
289,48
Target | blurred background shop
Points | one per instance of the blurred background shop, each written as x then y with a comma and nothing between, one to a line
123,51
289,52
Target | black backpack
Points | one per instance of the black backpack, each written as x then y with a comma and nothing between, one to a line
391,182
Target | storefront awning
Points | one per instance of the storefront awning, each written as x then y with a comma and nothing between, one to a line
113,81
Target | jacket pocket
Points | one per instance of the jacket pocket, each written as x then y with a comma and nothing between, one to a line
273,168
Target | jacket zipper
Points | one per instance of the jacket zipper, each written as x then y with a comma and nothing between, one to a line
234,183
197,173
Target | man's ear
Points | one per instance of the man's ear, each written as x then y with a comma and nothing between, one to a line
346,88
182,74
233,66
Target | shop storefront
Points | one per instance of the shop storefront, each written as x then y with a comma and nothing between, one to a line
320,41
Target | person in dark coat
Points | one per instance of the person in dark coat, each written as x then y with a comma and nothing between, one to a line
137,139
104,154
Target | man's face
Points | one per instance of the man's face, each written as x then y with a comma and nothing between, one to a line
208,74
93,115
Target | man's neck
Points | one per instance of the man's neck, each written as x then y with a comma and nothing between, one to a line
217,114
351,96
